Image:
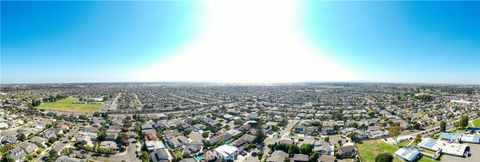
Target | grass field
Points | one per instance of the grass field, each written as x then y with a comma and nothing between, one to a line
370,149
68,105
476,123
403,144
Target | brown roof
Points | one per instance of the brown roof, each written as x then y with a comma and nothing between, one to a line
299,158
326,158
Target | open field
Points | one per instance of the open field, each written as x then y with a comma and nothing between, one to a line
368,150
475,123
68,105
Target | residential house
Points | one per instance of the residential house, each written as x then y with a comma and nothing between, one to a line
228,152
160,155
39,141
347,149
299,158
178,141
17,154
28,147
277,155
154,145
108,145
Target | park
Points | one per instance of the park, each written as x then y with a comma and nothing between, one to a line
69,105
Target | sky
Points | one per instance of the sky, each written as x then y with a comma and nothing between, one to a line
240,41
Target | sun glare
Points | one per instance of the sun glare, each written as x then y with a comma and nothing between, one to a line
248,42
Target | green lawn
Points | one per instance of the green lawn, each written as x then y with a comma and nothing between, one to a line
403,144
457,130
426,159
68,105
476,123
370,149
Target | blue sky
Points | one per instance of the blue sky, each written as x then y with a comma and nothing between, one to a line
428,42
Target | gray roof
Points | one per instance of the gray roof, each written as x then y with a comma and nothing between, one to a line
277,155
159,155
68,159
17,153
188,160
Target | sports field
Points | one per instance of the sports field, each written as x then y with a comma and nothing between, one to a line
475,123
68,105
368,150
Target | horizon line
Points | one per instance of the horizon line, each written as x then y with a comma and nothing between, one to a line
241,83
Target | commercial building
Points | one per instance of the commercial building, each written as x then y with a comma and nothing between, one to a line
408,153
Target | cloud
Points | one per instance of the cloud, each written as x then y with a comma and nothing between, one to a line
248,42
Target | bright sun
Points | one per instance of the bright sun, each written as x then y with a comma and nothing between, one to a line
249,42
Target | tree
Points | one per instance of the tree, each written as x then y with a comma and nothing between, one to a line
138,129
7,159
463,121
418,138
21,137
36,103
384,157
327,139
123,139
101,136
395,131
306,149
52,155
260,136
443,126
187,132
145,157
52,140
352,136
205,134
313,157
293,149
282,146
416,126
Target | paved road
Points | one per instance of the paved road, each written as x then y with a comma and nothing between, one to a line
426,132
276,137
111,105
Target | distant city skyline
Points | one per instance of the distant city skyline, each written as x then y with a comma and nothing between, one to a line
240,42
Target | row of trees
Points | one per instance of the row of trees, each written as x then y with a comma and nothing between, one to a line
53,98
291,149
